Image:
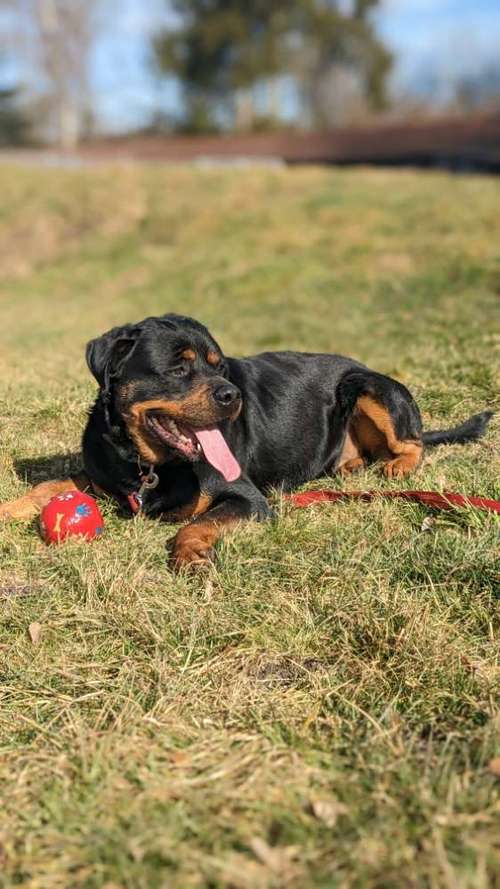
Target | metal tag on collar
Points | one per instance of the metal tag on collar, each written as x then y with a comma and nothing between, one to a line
149,482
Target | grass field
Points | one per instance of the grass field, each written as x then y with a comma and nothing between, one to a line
320,709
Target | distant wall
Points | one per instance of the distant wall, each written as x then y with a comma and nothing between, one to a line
457,143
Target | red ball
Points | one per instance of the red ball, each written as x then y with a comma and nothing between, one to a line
72,514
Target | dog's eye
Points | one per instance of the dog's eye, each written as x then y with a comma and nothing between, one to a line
180,370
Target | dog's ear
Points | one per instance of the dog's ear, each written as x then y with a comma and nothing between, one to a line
105,355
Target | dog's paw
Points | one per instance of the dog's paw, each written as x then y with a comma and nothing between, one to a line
192,547
22,509
357,464
400,466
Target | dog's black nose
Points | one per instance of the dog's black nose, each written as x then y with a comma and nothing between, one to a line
227,394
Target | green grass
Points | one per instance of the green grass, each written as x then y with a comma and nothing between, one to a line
321,708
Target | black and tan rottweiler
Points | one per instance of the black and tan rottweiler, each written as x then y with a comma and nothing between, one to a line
185,433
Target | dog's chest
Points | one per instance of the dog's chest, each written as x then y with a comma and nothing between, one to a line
178,496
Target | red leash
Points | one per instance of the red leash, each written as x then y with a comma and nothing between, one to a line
428,498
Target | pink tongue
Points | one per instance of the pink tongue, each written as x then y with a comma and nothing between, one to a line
217,453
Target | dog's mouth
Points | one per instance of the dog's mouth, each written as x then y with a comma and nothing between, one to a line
177,436
193,443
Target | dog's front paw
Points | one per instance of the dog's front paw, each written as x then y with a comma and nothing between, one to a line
21,509
192,547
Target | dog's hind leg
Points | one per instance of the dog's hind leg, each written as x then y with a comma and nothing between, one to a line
31,504
384,424
376,433
351,459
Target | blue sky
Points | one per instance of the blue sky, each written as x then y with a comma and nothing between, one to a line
449,38
444,38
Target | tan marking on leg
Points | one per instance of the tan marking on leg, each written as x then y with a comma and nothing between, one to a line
403,464
193,544
350,459
370,439
197,506
374,430
32,503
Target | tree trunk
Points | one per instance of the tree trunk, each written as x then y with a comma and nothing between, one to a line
245,111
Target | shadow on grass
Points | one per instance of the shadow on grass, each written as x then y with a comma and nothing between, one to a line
40,469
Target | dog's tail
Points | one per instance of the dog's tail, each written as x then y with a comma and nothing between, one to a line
471,430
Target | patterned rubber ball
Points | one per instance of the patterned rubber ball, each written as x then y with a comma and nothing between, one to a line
73,514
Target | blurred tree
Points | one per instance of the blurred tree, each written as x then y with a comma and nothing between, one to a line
340,64
61,40
15,126
223,48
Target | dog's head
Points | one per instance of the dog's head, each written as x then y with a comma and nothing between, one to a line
167,380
